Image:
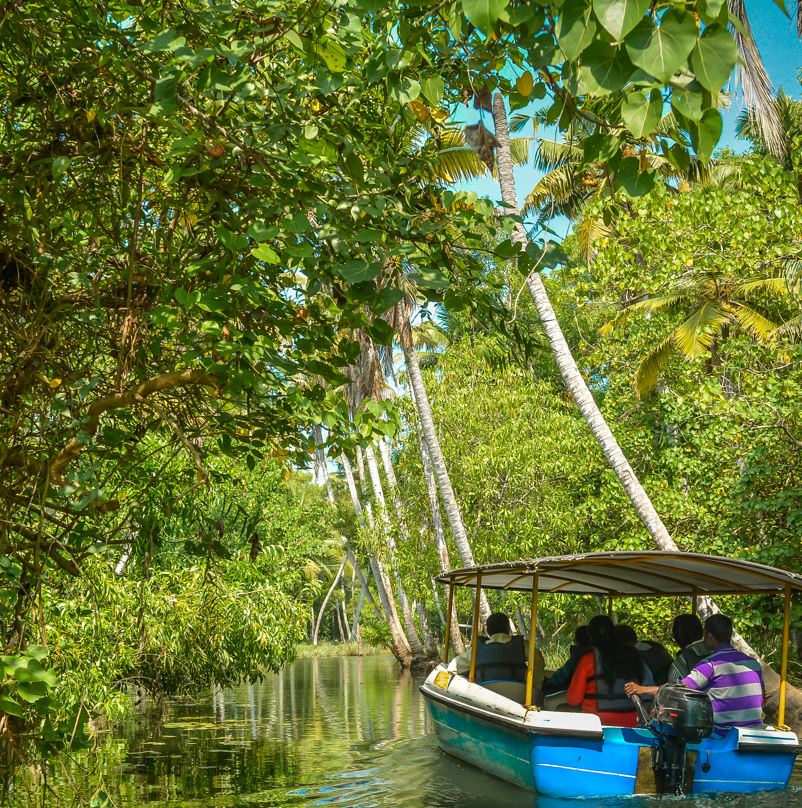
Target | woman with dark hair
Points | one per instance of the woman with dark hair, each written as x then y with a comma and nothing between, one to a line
598,681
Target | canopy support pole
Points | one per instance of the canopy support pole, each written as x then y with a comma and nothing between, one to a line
530,667
448,622
610,605
784,665
475,630
695,601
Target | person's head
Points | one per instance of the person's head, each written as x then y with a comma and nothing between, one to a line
626,634
498,623
618,661
601,630
718,631
582,636
687,628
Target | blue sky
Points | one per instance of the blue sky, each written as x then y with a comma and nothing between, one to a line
781,50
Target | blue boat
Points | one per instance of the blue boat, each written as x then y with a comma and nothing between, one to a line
572,755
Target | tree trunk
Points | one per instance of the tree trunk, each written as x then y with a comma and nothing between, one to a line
450,503
428,639
579,390
439,534
378,492
398,642
316,629
321,465
357,615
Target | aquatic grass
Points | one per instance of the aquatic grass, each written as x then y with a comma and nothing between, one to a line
325,650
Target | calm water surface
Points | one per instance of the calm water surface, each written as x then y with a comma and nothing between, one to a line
340,732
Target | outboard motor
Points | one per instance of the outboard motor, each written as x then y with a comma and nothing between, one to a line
680,716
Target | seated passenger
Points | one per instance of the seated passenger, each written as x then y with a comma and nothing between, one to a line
598,681
687,633
501,655
732,679
560,679
654,653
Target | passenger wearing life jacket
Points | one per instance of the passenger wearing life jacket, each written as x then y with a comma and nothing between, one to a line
654,654
687,633
501,655
598,681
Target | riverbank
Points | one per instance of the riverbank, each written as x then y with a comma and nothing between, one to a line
324,650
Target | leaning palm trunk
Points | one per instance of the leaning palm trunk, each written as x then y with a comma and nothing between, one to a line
584,400
321,466
378,492
439,534
399,644
424,411
392,484
316,630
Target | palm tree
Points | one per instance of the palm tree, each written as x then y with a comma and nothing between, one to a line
751,74
789,111
565,361
711,306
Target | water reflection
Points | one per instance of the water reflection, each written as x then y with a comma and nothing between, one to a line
342,731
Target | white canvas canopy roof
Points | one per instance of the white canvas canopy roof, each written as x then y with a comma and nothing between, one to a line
623,573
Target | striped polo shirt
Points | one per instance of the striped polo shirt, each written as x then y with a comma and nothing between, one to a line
734,683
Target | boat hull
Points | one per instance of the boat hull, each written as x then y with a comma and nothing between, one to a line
571,755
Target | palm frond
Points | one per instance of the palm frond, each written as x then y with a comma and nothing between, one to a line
456,163
649,305
656,304
557,187
754,323
755,85
519,149
589,230
777,286
790,328
519,120
695,335
652,366
792,271
550,154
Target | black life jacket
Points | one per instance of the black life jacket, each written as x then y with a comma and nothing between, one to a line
692,656
501,660
657,658
609,699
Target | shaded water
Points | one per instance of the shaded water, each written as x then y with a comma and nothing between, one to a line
341,732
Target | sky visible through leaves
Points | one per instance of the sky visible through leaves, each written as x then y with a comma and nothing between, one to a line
781,50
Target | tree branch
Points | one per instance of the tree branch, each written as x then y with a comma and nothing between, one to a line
166,381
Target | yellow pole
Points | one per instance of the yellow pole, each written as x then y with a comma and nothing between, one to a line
784,665
475,630
695,601
448,622
530,667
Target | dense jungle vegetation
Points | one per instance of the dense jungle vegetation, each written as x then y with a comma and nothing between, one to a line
265,371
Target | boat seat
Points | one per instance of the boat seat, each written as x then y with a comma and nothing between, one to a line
509,688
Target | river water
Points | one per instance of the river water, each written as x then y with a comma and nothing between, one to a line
324,732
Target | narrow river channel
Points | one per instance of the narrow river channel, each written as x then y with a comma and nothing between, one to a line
341,732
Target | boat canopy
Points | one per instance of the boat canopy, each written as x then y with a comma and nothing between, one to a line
625,573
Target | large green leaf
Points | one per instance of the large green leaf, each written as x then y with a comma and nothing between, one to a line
714,57
634,181
605,69
8,705
641,112
619,17
575,27
484,14
662,49
31,691
706,133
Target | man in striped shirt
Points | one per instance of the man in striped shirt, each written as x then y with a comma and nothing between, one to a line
732,679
